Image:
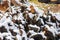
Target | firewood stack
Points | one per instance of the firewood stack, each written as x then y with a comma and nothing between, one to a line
28,22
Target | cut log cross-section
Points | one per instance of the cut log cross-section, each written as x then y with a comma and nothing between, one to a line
4,6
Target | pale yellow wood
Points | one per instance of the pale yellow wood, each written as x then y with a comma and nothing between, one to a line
53,0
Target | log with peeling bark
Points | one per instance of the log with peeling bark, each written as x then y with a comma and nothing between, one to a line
5,5
14,3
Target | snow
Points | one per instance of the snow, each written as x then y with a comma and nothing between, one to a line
57,16
39,11
1,36
31,15
51,29
31,31
5,34
6,18
13,10
24,34
19,37
22,26
31,39
34,26
15,17
42,21
20,16
42,33
16,30
9,38
18,1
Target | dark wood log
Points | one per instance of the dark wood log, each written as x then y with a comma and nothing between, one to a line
50,1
